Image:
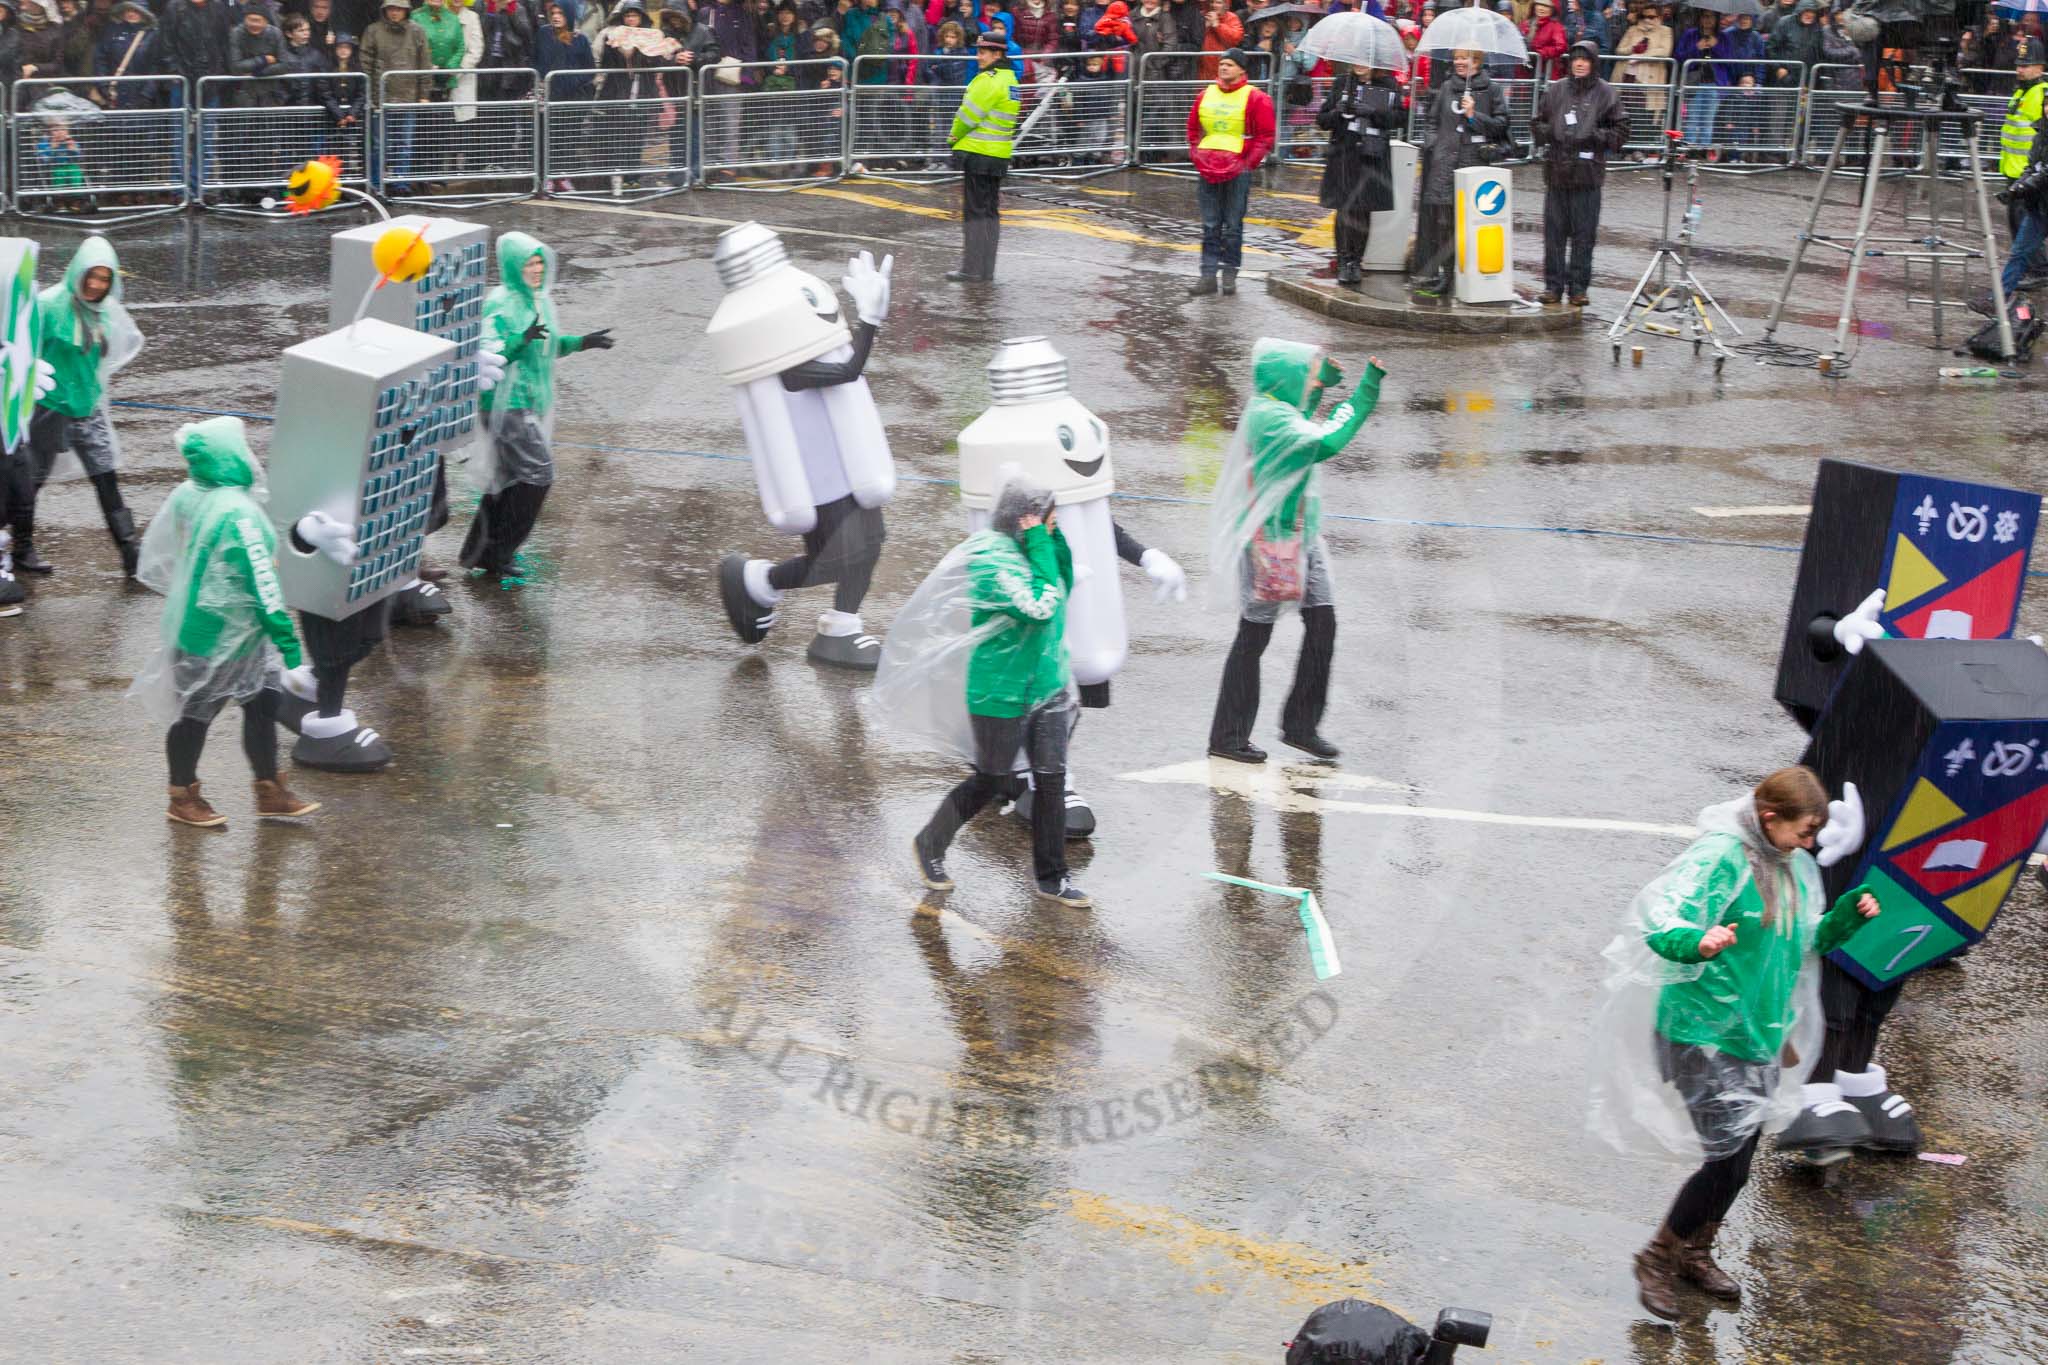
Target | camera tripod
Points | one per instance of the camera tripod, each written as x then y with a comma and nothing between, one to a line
1685,294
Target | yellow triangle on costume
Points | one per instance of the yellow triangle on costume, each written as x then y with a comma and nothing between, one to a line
1926,809
1981,902
1913,575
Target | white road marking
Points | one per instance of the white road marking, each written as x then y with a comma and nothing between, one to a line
1766,511
1280,786
426,1291
467,1352
623,211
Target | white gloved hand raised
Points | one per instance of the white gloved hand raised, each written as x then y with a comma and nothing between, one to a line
490,364
1861,624
46,377
332,538
1842,835
869,287
1169,578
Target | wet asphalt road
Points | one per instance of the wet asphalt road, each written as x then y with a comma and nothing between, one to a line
605,1025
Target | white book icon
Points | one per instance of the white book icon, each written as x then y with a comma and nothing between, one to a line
1956,855
1949,625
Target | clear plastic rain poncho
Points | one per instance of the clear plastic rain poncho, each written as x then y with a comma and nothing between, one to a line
1762,1007
1267,514
69,329
520,409
921,685
1353,38
211,552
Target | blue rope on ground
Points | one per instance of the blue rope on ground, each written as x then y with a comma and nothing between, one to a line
1360,517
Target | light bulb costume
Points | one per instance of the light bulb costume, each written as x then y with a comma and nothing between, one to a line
1056,443
820,454
211,551
22,378
976,664
84,341
1266,549
516,467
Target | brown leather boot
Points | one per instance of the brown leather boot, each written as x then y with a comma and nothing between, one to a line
275,801
1656,1271
1696,1265
188,807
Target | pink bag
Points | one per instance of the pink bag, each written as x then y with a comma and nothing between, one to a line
1276,568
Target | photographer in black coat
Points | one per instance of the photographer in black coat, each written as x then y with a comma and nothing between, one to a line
1579,123
1362,114
1468,127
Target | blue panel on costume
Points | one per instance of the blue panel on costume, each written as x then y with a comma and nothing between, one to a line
1955,558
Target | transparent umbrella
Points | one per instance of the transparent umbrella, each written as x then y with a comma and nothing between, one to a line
1731,9
1355,39
1475,30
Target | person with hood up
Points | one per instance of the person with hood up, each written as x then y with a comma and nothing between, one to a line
1230,131
1468,127
128,48
1362,114
1010,583
395,44
85,335
518,467
1266,549
1796,46
1579,123
212,553
1545,35
1713,1016
41,40
10,51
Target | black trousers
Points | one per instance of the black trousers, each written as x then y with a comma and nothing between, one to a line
1571,219
1042,735
18,495
842,548
1354,230
335,647
1710,1192
502,523
1855,1014
981,203
187,739
1434,246
1237,700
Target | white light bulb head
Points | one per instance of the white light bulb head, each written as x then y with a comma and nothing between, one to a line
773,315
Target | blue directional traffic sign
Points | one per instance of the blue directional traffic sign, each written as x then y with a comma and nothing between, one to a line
1490,198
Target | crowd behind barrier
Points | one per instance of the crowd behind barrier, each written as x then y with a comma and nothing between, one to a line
110,150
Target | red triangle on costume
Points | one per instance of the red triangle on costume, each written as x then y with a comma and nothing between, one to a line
1988,600
2007,833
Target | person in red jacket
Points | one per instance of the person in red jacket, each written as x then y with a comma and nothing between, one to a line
1230,131
1221,31
1545,35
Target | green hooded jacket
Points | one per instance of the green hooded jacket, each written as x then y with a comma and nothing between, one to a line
512,308
73,335
231,598
1741,1003
1287,443
1022,586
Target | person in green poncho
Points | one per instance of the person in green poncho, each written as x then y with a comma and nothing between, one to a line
212,553
1266,544
1019,685
519,321
85,334
1730,927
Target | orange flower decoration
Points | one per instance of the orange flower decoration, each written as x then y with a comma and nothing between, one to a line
314,185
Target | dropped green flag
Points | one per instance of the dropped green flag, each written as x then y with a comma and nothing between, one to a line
1322,948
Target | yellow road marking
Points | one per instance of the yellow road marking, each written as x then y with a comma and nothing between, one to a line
1309,1277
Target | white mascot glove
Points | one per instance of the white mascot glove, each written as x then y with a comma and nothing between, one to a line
869,287
490,365
330,537
1171,581
1842,835
46,377
1861,624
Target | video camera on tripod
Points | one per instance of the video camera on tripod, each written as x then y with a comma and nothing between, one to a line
1354,1332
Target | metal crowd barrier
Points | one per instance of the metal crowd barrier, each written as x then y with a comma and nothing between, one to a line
613,145
1086,131
1756,120
759,138
1301,142
1521,93
899,127
456,147
1164,98
1646,102
71,158
249,149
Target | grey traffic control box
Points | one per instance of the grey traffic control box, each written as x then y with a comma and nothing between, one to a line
363,415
